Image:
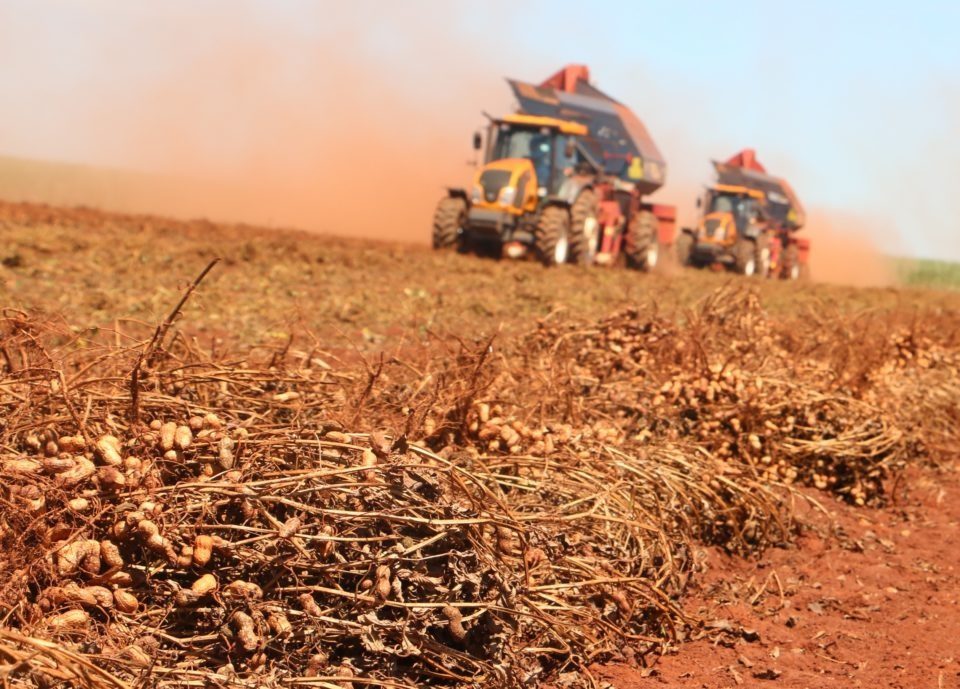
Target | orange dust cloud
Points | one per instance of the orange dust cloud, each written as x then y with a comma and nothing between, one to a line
844,249
250,121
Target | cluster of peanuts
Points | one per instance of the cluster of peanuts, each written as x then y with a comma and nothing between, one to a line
179,440
101,564
86,469
728,385
624,345
741,417
499,432
913,350
719,383
95,472
91,468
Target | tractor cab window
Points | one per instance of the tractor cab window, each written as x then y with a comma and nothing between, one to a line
536,145
722,204
743,209
566,156
541,155
520,143
747,214
749,211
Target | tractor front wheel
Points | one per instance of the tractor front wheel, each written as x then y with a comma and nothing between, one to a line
745,257
642,247
448,222
763,257
584,228
684,248
552,236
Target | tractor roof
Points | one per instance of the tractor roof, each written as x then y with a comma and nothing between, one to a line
737,189
565,126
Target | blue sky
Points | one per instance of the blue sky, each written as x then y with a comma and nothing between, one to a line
857,102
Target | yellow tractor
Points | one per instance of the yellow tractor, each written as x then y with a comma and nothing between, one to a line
748,222
562,179
531,193
732,230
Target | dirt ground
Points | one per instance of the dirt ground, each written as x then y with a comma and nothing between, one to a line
373,295
871,601
865,597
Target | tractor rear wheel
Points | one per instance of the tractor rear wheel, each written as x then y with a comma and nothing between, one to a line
584,228
684,248
792,270
552,236
642,247
745,257
448,222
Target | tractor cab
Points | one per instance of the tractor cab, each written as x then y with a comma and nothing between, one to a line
527,159
730,212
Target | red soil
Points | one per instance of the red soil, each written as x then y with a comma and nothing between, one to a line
872,604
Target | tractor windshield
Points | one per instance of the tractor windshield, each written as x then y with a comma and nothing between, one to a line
519,143
742,208
540,146
725,203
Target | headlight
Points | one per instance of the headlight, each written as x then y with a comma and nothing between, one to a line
507,195
477,194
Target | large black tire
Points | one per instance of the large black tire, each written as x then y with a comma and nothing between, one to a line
745,257
792,270
763,256
684,248
642,245
552,236
448,222
584,228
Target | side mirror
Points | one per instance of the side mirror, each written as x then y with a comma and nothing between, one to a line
571,148
477,141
